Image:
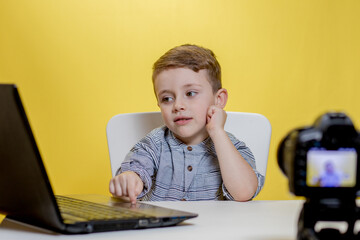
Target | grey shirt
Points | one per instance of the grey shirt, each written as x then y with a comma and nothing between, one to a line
172,171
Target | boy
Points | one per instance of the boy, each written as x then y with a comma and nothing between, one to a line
191,157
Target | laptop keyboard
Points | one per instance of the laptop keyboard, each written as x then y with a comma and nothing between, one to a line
75,210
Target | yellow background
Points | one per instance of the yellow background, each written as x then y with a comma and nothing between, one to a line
77,63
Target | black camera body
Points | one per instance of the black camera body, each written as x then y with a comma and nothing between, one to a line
322,161
322,164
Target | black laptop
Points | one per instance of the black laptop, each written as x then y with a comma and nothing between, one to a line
26,194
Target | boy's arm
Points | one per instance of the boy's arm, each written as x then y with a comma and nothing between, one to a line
238,176
134,177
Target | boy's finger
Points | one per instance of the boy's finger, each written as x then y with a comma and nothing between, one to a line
111,187
131,192
117,186
123,187
132,197
211,110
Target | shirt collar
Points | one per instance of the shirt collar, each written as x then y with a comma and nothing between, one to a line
206,145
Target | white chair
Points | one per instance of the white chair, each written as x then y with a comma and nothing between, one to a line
124,130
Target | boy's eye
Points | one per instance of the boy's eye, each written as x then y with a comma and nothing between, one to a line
166,99
191,93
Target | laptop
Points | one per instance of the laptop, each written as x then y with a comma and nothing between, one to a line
27,196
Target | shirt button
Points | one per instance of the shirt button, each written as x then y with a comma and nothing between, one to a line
189,148
189,168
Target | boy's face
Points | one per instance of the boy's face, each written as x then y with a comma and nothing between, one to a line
184,97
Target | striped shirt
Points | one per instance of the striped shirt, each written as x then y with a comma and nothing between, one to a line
172,171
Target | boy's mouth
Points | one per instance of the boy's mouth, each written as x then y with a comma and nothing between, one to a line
182,120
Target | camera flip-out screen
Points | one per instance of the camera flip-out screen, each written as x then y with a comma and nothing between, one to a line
331,168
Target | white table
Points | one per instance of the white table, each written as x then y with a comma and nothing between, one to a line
255,220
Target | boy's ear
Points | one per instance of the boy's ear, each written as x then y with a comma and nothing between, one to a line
221,97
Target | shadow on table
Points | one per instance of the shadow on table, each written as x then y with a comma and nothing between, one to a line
16,226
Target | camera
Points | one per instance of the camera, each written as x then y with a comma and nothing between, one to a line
322,164
322,160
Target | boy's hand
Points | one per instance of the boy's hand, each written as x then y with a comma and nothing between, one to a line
216,118
126,184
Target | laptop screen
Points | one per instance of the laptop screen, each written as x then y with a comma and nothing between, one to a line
24,185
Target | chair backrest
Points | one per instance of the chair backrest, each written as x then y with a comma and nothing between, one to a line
124,130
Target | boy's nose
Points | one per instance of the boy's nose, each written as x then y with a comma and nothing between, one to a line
179,105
